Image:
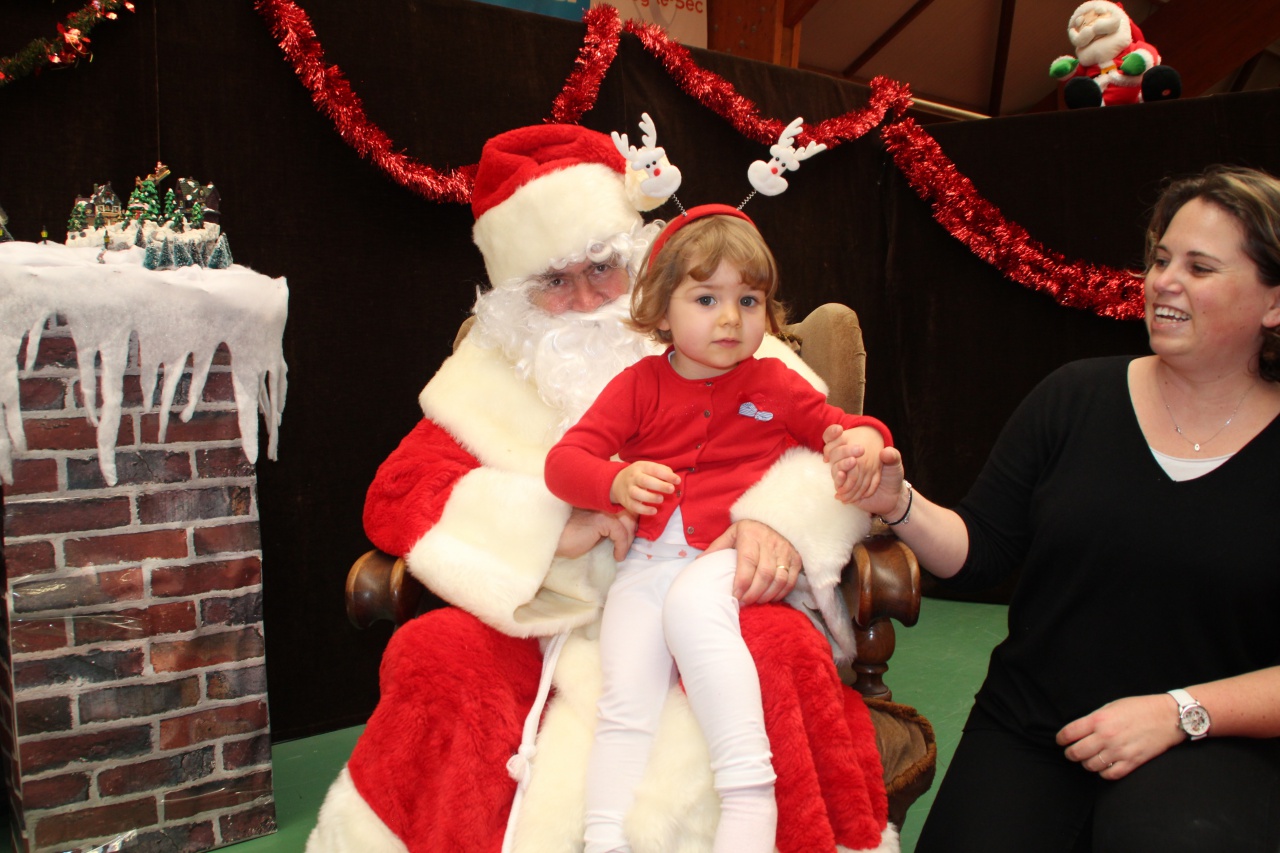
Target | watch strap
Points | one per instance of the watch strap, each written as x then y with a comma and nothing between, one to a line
1186,701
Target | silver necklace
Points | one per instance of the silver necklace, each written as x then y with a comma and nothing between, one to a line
1195,445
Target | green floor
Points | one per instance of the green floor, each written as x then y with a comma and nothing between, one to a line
937,667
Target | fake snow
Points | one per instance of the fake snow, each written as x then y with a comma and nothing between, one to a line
175,313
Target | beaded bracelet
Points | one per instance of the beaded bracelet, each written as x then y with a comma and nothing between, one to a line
906,516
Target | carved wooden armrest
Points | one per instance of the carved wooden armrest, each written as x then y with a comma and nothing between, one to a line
380,587
881,582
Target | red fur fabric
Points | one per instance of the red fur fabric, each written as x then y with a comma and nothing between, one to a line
432,760
412,486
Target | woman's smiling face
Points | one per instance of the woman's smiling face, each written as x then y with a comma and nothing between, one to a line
1204,298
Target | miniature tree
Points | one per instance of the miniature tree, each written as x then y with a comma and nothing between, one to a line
79,217
172,214
144,203
182,254
166,255
221,257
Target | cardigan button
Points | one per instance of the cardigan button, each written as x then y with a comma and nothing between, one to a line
707,413
689,529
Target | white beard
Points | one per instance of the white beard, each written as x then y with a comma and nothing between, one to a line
1099,42
569,357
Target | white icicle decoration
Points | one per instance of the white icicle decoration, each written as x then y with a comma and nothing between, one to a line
175,313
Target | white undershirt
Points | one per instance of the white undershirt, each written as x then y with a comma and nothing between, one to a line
1180,469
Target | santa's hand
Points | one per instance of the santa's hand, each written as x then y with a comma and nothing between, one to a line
1133,65
1062,66
640,485
768,566
585,528
1122,735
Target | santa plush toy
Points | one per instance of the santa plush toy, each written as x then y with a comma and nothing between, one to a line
1112,64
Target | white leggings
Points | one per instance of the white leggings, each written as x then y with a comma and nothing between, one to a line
669,609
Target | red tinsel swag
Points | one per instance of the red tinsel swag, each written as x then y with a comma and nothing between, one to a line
334,97
956,204
976,222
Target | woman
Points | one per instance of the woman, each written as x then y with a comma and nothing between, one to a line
1139,497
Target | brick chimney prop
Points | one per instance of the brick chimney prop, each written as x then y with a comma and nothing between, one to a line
133,694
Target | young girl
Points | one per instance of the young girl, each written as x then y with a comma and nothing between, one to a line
694,428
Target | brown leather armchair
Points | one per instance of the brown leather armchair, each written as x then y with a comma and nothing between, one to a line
880,583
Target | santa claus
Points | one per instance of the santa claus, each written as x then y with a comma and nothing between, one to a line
480,739
1112,64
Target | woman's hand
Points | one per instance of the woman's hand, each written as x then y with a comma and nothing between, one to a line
1123,735
585,528
887,499
768,565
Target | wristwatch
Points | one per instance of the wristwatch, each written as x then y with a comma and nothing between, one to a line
1192,716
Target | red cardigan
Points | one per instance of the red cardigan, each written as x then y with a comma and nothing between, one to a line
719,435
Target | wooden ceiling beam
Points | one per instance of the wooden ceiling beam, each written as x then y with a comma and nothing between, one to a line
795,10
1245,72
888,36
1205,40
1001,65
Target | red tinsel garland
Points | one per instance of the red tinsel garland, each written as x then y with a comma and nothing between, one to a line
599,49
718,95
331,92
333,95
976,222
956,204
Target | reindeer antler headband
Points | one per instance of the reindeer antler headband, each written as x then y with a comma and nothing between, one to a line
663,179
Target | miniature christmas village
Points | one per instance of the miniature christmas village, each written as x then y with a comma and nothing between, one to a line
182,230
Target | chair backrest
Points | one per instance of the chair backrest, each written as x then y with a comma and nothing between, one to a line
829,340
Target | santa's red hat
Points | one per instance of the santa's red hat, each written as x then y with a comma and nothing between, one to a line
549,192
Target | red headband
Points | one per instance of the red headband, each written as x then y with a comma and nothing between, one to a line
690,215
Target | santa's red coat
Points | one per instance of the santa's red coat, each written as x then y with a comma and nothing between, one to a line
432,760
463,500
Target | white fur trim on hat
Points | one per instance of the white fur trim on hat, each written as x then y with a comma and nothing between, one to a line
557,216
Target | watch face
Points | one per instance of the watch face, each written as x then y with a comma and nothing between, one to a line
1195,721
